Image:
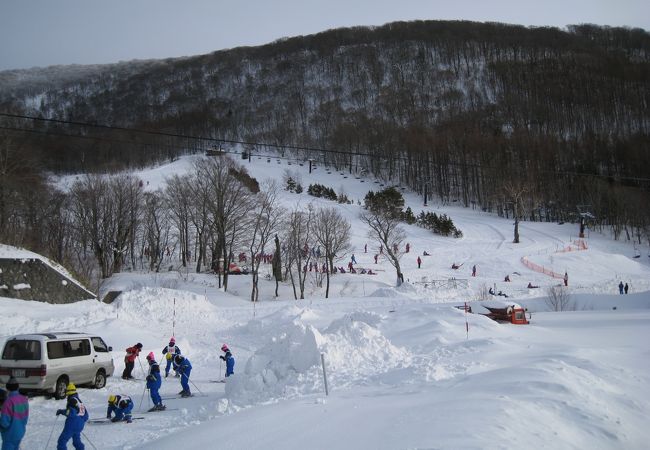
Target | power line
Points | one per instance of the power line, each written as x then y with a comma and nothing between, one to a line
268,145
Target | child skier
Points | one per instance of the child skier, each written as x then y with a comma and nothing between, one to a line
154,381
121,405
230,361
14,415
184,369
76,418
170,351
132,354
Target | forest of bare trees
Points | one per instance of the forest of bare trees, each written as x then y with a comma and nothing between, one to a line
529,123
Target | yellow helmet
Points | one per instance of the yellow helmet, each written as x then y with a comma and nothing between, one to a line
112,399
71,389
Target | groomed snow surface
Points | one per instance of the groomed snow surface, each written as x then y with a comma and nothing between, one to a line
403,371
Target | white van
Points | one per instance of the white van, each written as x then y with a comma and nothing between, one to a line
49,361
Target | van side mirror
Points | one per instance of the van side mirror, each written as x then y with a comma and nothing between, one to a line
110,349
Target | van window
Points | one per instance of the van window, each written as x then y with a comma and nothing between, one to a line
68,349
22,349
99,345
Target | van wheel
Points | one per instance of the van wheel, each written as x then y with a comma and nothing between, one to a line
60,388
100,380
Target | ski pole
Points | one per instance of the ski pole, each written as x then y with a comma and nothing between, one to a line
220,362
89,441
142,398
142,367
197,388
51,432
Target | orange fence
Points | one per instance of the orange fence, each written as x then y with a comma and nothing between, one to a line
540,269
576,245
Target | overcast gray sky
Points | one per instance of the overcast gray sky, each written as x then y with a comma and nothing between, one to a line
47,32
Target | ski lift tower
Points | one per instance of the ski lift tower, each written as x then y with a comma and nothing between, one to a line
586,215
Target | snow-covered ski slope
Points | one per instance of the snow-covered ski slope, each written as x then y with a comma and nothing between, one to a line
403,372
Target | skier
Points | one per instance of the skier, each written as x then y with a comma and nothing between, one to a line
376,256
14,416
408,247
620,288
474,270
121,406
170,351
184,369
354,260
230,361
507,279
154,380
626,288
365,248
76,418
419,262
350,266
132,354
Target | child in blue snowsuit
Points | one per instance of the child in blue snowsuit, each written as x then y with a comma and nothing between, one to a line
170,351
230,361
121,405
154,380
184,369
76,418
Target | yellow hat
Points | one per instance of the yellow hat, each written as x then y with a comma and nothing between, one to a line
71,389
112,399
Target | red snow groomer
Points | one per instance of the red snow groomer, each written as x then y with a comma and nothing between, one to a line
499,311
514,314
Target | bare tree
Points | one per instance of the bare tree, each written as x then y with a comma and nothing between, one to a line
263,221
385,229
157,228
92,212
229,203
332,232
298,226
559,299
126,198
178,199
515,191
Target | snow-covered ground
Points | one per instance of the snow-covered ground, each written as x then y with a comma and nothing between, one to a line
403,371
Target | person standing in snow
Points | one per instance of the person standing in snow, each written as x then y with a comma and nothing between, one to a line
132,354
154,381
620,288
184,369
353,259
626,288
121,406
408,247
170,351
76,418
13,416
566,278
376,256
474,270
419,262
228,358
